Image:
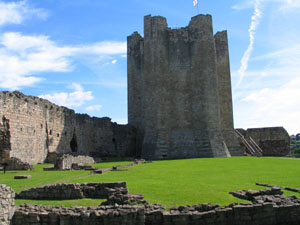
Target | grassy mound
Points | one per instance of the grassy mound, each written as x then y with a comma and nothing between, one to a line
176,182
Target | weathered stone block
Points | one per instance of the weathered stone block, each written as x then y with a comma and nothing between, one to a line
7,204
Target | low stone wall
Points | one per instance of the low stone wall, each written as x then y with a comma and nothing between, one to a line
66,161
268,207
243,214
17,164
52,157
70,191
250,195
104,215
7,204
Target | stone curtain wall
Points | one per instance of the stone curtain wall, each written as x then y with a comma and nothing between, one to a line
7,204
65,161
173,90
70,191
38,126
274,141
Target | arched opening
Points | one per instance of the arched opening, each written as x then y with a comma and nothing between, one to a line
73,143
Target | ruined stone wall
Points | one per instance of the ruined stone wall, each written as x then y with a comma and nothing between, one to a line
66,161
16,164
7,204
243,214
70,191
104,215
38,126
5,145
268,207
274,141
174,73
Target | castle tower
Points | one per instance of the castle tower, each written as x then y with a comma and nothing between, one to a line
173,94
225,97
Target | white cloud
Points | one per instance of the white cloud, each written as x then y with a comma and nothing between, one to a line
255,19
275,107
288,5
284,5
114,61
284,56
16,12
270,96
70,99
104,48
93,108
22,57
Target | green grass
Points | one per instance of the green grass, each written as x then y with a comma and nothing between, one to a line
194,181
39,177
180,182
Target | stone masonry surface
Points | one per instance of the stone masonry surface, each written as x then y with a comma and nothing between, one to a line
66,161
5,146
31,127
7,204
274,141
179,91
70,191
269,207
265,213
16,164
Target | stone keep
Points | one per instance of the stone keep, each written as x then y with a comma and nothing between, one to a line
179,90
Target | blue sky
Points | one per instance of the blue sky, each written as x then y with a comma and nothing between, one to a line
73,52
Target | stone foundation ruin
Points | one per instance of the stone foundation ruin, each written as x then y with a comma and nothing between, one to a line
268,207
67,162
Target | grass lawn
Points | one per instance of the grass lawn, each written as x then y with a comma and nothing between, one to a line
178,182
